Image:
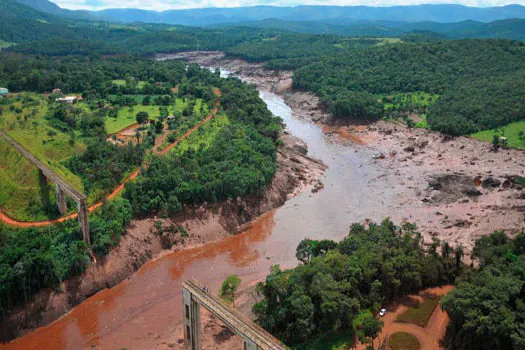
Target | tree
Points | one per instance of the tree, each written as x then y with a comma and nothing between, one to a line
304,251
370,329
229,287
159,126
142,117
146,101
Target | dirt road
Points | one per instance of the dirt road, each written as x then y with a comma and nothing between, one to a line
429,336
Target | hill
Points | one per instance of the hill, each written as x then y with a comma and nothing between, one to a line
503,29
52,8
334,14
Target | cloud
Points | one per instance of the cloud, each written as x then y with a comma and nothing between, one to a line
161,5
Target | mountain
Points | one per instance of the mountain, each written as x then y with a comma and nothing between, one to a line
50,7
506,29
334,14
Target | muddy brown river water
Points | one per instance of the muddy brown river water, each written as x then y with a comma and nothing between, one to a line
147,307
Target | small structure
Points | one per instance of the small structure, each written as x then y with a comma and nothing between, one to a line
69,99
57,91
3,91
171,117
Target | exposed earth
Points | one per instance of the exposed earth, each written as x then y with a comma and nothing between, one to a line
455,189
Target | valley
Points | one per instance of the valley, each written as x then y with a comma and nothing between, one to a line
367,164
343,176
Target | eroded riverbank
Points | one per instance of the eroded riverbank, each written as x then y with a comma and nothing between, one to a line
456,189
373,172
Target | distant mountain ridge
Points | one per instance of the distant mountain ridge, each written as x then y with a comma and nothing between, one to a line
344,15
507,28
334,14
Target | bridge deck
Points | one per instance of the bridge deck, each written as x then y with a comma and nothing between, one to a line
233,319
50,174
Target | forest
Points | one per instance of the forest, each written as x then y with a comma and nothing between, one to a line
487,307
339,287
240,160
227,159
479,82
35,258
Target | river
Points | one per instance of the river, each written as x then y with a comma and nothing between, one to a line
145,309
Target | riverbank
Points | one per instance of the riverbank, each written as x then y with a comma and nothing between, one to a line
362,182
455,189
143,240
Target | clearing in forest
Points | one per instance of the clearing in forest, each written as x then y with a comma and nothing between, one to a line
514,132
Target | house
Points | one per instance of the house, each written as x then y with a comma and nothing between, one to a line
171,117
3,91
57,91
69,99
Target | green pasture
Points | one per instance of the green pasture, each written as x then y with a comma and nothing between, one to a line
514,132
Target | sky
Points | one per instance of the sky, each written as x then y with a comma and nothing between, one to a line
161,5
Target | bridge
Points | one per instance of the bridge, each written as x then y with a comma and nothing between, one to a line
63,189
194,295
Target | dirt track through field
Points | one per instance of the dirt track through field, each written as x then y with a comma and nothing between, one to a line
6,219
429,336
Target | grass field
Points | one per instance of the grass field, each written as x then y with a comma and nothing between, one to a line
403,341
122,82
402,101
30,128
510,131
22,194
420,314
5,44
21,190
204,136
127,115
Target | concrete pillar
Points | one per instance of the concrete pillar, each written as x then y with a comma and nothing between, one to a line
61,200
249,345
192,322
83,220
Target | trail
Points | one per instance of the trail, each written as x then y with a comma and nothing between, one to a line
6,219
430,336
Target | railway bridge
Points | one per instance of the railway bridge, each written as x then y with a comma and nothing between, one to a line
194,295
63,189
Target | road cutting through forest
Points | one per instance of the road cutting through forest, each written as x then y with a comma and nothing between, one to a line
6,219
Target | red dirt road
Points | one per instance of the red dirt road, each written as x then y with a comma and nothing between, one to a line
430,336
6,219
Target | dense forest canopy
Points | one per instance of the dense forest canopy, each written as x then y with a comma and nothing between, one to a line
232,161
487,307
480,81
339,281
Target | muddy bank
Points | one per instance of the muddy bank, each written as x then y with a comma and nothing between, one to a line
144,241
456,189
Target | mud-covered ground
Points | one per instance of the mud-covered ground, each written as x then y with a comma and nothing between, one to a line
456,189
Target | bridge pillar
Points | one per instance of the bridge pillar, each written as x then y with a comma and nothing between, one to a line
61,200
83,220
192,321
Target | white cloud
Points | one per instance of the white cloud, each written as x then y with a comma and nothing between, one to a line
161,5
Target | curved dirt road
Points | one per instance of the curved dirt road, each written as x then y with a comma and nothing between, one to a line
6,219
429,336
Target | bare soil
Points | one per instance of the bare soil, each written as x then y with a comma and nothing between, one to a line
455,189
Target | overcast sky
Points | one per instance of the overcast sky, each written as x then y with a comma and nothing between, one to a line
160,5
